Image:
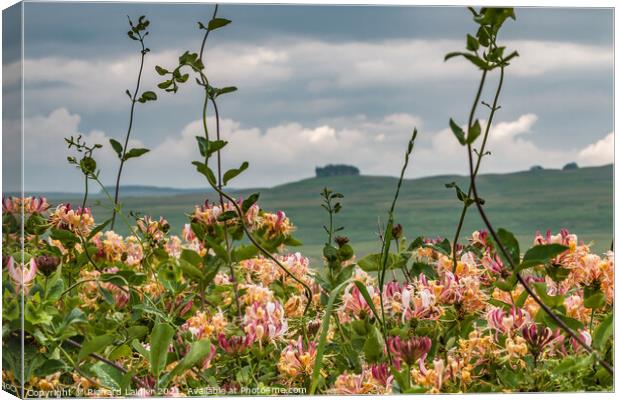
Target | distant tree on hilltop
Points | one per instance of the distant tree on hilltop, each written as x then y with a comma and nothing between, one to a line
337,170
536,168
570,166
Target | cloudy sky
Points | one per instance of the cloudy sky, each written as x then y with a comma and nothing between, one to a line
317,85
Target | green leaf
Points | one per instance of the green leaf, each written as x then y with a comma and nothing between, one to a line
472,43
551,301
249,202
458,132
423,268
244,252
227,215
459,193
135,153
373,347
477,61
603,332
165,84
541,254
206,171
118,148
510,244
98,228
215,145
453,54
318,362
94,345
137,331
147,96
190,270
593,298
372,262
161,71
65,237
232,173
364,291
473,132
140,349
161,336
109,376
197,352
217,23
191,257
225,90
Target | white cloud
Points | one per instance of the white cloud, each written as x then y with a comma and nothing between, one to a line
599,153
323,65
290,151
45,151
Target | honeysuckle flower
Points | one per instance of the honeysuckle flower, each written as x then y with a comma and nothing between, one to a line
585,336
113,246
540,338
173,247
297,360
433,377
222,278
563,238
410,350
382,377
446,291
256,294
294,306
236,344
275,225
153,230
507,322
479,237
423,305
265,321
494,265
355,305
79,221
397,298
201,325
575,307
299,266
27,205
349,383
10,205
477,348
22,277
206,363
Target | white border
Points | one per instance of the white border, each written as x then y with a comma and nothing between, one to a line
525,3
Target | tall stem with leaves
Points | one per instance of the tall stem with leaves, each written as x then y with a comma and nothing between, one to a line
137,32
219,180
490,20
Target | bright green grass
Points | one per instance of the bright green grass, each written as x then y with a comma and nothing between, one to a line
523,202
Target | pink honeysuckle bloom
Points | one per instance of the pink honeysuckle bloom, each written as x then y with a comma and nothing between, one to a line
494,264
206,364
266,322
480,237
541,338
236,344
22,277
585,336
411,350
507,322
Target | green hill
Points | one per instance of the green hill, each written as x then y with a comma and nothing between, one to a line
523,202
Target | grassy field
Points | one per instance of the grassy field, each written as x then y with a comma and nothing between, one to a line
524,202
